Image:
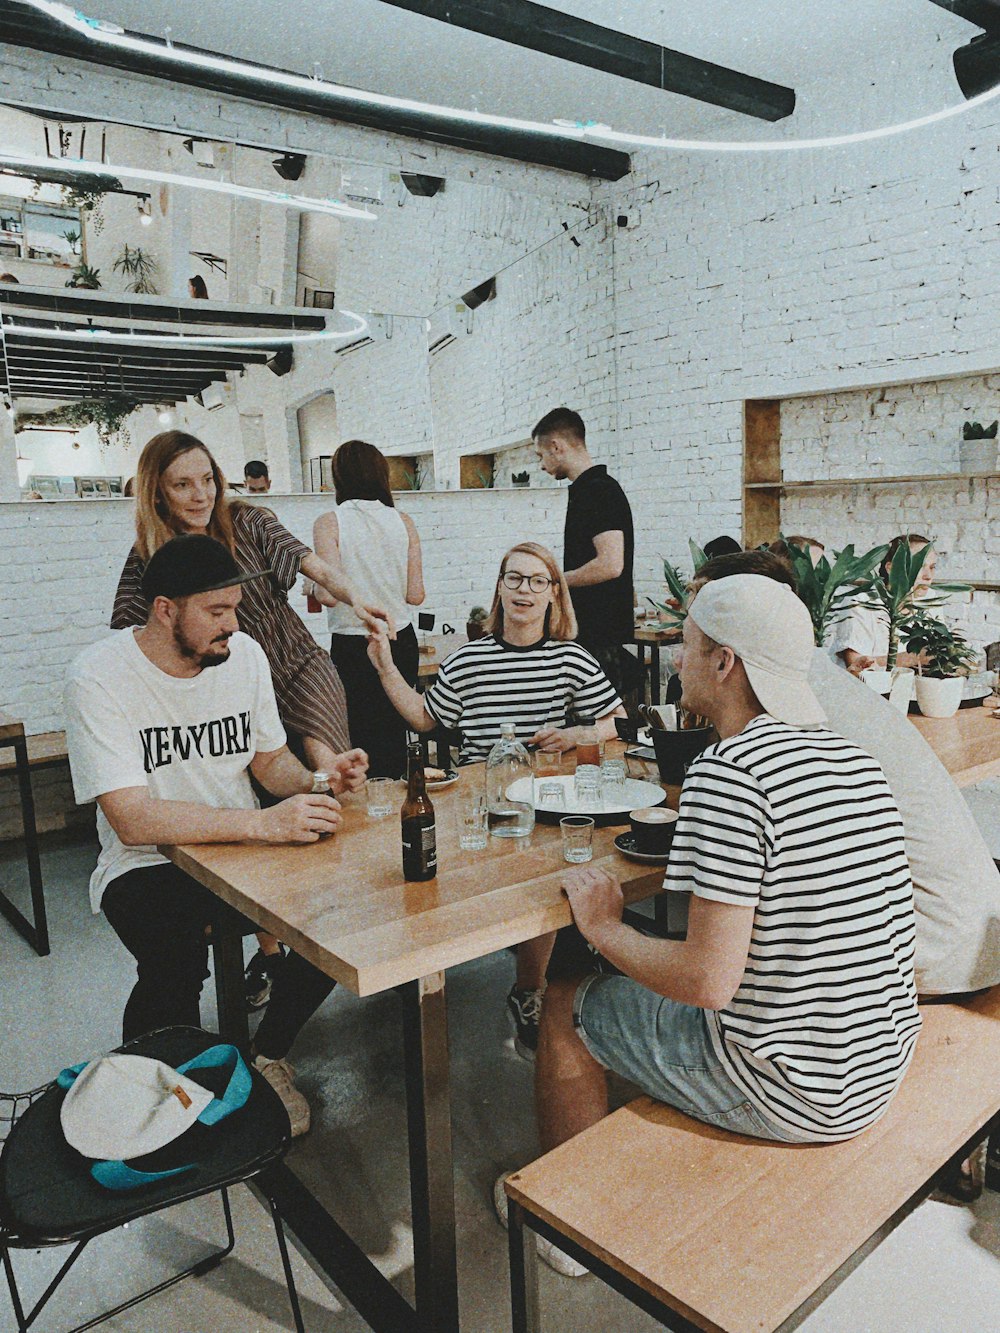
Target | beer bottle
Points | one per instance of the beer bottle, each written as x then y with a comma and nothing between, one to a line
417,816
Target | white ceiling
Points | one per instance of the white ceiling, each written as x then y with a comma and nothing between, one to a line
854,64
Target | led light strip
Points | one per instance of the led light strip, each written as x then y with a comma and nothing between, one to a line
110,34
84,168
280,336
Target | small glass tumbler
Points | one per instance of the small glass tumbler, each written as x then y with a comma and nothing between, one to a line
381,801
473,834
577,838
548,764
613,781
587,787
550,795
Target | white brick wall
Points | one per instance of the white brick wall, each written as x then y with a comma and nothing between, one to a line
55,604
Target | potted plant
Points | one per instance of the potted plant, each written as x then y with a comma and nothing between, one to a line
84,276
139,267
520,479
978,450
475,626
828,590
674,608
947,659
893,594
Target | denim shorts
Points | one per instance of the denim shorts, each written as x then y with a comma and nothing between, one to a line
665,1048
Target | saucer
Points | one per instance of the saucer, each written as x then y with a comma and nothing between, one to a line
625,842
439,784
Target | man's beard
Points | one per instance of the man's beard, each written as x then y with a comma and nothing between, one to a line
188,650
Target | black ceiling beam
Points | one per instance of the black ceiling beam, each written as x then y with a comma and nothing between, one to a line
539,28
196,312
47,350
108,351
983,13
22,26
109,377
152,395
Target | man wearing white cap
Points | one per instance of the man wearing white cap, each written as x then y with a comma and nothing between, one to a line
789,1011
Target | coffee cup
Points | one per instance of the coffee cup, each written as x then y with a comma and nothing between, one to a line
878,680
653,829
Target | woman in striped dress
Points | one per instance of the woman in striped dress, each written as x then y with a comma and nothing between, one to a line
180,488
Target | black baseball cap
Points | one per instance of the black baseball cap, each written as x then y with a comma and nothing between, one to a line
191,564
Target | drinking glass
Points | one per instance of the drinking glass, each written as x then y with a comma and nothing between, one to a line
472,831
613,781
381,800
548,763
550,795
577,838
588,787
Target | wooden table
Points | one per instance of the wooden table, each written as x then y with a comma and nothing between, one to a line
968,744
343,904
36,931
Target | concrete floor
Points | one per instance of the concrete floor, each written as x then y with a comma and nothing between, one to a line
938,1273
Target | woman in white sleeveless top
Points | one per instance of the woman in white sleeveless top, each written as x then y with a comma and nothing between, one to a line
380,551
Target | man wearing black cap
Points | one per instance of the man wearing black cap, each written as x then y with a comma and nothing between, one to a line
165,725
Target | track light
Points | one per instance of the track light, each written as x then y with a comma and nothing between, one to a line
290,166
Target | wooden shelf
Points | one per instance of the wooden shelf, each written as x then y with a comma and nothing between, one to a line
827,483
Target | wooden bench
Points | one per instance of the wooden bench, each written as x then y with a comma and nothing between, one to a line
714,1231
42,751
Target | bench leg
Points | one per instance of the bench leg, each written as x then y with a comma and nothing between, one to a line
36,931
523,1272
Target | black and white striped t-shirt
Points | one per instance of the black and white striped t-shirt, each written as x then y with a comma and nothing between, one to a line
801,825
487,682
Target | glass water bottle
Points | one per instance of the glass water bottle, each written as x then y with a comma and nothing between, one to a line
509,816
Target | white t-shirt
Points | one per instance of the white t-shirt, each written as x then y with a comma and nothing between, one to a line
865,630
374,549
800,825
129,724
956,885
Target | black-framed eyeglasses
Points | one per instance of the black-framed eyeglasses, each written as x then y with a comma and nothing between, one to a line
536,582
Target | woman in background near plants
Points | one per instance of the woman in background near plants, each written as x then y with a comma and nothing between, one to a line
379,550
860,639
197,289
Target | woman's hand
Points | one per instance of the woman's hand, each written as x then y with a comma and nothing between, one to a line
374,619
552,740
379,648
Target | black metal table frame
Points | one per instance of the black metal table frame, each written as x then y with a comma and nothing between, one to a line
317,1235
36,931
522,1224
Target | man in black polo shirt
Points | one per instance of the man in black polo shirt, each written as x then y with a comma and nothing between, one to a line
597,546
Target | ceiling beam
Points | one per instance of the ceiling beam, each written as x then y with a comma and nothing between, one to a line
115,353
161,312
539,28
20,25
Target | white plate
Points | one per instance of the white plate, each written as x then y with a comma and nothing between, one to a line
439,784
637,796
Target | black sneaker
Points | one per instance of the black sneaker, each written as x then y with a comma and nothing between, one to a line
259,976
525,1007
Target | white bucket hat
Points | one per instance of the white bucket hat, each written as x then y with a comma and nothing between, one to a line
769,630
123,1106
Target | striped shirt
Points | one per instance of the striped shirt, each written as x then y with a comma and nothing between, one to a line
488,682
801,826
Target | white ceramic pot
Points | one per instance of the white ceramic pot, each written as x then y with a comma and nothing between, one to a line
877,680
977,455
939,698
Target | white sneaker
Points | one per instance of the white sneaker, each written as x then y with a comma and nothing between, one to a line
281,1075
549,1254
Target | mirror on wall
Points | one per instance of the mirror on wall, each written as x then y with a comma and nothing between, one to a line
436,278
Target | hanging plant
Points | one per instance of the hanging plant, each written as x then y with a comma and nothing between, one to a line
140,267
107,414
87,201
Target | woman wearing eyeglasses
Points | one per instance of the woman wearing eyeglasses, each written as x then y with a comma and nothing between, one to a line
527,670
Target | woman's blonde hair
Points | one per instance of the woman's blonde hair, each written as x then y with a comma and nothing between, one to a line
560,620
153,524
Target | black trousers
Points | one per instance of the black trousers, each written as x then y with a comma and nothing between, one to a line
374,723
161,915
